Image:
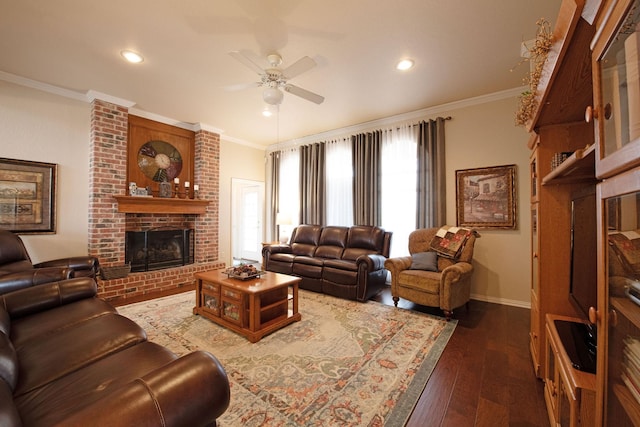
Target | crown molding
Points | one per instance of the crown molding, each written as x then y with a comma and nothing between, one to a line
411,116
44,87
92,95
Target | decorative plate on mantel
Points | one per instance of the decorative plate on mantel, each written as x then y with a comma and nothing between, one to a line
160,161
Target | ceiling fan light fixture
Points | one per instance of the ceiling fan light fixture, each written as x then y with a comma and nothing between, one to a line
272,96
131,56
269,110
405,64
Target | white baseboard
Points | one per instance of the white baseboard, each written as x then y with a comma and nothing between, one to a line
503,301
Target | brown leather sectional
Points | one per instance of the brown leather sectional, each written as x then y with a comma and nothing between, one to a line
346,262
68,358
17,270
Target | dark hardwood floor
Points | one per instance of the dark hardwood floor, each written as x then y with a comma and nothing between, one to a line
485,376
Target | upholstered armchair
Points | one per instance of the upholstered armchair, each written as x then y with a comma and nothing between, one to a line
17,271
438,272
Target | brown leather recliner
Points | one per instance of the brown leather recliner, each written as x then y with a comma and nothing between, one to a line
445,284
17,270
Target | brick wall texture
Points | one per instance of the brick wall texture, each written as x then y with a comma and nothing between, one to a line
107,226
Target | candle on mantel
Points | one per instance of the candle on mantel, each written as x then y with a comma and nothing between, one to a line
186,184
195,187
176,180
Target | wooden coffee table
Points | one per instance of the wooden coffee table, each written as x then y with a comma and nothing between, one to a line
253,307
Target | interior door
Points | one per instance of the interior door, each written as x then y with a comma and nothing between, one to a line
247,219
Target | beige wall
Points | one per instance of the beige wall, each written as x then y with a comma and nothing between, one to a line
39,126
482,136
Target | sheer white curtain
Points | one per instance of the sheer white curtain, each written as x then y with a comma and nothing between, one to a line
289,193
399,169
339,185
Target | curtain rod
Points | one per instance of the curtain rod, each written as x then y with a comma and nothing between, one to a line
349,131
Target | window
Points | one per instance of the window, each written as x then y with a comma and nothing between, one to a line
339,184
399,169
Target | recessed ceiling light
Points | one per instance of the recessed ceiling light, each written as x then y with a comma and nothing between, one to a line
131,56
405,64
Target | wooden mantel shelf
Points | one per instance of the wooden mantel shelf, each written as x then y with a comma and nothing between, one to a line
130,204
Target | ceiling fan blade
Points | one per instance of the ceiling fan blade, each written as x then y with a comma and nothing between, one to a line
249,59
303,93
300,66
242,86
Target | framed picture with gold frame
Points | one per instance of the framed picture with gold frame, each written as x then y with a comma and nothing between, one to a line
158,152
486,197
28,196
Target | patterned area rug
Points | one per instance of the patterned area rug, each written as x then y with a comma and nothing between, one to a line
345,363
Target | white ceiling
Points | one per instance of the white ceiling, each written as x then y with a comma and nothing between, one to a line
462,49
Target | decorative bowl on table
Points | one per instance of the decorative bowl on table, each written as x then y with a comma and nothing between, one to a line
243,272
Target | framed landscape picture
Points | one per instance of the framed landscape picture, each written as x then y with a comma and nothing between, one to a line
486,197
27,196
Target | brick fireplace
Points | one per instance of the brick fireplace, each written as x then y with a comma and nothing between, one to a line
107,226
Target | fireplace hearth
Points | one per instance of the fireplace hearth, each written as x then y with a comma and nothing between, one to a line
157,249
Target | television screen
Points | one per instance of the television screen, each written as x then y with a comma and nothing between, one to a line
583,285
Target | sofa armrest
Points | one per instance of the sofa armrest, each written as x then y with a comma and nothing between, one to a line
47,296
27,278
395,267
190,391
82,266
276,249
374,262
454,273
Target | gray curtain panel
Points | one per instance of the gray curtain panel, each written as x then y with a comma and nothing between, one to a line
431,185
312,184
275,192
366,178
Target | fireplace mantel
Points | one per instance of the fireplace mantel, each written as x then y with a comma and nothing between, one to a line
152,205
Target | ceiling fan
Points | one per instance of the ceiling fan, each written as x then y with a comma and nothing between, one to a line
275,79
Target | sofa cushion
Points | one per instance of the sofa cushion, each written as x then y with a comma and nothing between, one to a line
26,328
366,237
341,264
449,241
54,355
425,281
308,267
305,239
332,242
424,261
340,275
53,402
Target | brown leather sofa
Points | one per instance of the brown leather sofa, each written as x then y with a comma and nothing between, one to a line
17,270
346,262
68,358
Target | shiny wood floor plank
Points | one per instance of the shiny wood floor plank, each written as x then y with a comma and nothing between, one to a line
485,376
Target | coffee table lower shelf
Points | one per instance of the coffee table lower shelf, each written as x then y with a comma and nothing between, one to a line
252,308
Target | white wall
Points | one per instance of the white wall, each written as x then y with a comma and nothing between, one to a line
38,126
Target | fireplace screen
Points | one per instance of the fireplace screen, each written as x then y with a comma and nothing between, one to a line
158,249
